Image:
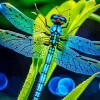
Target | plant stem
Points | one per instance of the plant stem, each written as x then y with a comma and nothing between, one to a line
95,17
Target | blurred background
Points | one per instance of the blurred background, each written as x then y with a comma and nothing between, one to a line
15,66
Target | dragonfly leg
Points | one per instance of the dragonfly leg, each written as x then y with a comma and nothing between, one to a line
74,29
48,34
60,47
63,38
46,22
46,43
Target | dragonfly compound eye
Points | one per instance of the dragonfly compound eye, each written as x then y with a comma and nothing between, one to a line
63,19
54,17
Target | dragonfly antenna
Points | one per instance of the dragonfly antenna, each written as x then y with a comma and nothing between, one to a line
57,10
37,9
39,13
65,10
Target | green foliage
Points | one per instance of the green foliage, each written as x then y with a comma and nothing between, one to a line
26,89
27,6
74,95
80,11
97,1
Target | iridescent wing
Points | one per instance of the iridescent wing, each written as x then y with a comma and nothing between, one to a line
71,60
17,42
22,44
84,45
17,18
26,24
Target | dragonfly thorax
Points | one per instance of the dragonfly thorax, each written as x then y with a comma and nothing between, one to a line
56,31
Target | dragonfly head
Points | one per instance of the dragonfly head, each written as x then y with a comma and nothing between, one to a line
58,19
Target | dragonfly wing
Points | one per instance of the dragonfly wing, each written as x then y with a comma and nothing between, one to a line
22,44
19,43
17,18
71,60
84,45
26,24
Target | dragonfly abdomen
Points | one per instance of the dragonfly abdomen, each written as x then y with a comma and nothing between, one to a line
56,31
43,75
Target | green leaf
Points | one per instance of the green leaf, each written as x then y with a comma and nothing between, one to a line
83,17
95,17
30,79
74,95
75,11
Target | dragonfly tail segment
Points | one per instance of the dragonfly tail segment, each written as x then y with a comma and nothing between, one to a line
43,75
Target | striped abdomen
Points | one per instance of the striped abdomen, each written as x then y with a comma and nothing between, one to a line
43,75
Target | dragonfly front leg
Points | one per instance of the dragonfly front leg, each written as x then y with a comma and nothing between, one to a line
63,38
60,46
46,33
46,43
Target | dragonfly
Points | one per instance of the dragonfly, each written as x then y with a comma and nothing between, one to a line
51,44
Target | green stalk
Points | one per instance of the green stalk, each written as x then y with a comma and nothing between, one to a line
30,79
95,17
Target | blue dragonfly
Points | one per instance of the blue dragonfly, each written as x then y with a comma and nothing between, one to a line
50,44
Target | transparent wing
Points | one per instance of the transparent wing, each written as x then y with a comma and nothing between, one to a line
19,44
74,62
22,44
84,45
17,18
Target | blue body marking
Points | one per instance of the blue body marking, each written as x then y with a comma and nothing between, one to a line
56,31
